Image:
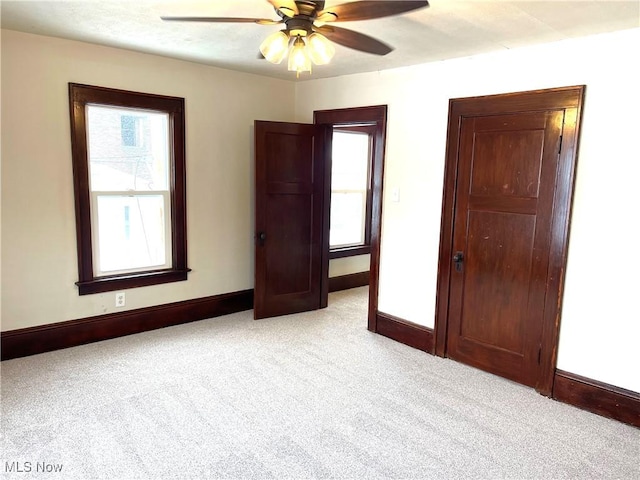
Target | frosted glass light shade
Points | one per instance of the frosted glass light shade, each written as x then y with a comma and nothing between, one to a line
299,60
274,47
321,50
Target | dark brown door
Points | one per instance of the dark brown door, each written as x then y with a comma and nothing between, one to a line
290,260
508,165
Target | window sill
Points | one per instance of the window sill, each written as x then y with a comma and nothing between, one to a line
121,282
349,251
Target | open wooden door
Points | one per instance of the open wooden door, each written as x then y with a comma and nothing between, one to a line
291,218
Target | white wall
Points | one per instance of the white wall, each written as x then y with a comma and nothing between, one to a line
348,265
38,220
600,319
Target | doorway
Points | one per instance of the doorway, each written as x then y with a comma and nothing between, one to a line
373,121
509,178
292,208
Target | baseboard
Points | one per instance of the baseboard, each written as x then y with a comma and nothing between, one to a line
345,282
46,338
403,331
597,397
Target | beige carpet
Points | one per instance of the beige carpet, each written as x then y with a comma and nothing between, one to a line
313,395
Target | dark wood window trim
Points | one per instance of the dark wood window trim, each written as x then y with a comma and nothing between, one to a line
79,97
351,251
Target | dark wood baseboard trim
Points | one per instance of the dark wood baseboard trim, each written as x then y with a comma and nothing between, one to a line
46,338
403,331
345,282
597,397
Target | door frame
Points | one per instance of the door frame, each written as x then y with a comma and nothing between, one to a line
372,115
569,99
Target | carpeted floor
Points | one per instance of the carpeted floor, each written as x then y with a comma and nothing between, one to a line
312,395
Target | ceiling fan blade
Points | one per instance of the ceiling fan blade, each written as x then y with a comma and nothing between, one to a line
366,10
260,21
287,7
355,40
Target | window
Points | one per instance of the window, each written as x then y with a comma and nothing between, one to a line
350,186
129,179
352,153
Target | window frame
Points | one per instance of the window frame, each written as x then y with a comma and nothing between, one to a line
79,97
365,247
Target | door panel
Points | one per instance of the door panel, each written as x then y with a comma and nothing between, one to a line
498,255
519,177
290,162
284,154
292,241
502,226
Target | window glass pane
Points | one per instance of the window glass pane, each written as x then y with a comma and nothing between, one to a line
347,219
128,149
349,178
131,232
350,161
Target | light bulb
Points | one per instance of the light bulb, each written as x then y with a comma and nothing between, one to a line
274,47
321,50
299,60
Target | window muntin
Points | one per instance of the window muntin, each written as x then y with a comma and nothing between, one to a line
129,179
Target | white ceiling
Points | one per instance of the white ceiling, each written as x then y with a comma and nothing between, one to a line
448,29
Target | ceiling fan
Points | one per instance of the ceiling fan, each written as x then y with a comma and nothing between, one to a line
309,31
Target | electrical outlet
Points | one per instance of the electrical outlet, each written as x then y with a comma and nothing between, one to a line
120,299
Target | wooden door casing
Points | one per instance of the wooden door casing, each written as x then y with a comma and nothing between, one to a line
372,115
511,216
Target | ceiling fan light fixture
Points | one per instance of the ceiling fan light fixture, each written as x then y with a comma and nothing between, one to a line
299,60
274,47
321,50
300,18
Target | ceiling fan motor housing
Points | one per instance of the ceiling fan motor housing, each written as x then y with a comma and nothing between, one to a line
309,7
301,24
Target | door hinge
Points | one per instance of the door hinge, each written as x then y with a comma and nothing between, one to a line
560,145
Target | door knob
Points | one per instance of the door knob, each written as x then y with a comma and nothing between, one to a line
261,238
457,260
